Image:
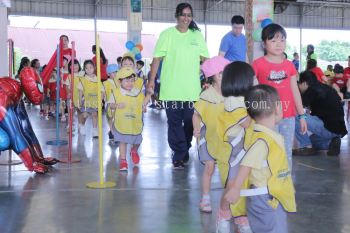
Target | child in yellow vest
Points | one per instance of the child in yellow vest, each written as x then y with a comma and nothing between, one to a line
127,101
205,116
78,74
265,164
88,97
128,60
110,84
234,125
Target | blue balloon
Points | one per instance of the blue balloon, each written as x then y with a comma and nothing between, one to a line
130,45
266,22
138,56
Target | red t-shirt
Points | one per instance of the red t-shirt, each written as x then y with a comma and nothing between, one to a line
318,72
347,72
46,74
104,75
52,88
340,81
278,76
63,87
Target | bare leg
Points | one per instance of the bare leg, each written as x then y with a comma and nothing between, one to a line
122,150
206,177
94,119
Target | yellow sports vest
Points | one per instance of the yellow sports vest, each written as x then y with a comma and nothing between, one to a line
139,83
129,119
109,86
76,91
90,93
226,121
209,106
279,185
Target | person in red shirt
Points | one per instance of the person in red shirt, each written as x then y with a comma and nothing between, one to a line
341,82
347,70
65,51
347,77
312,66
103,63
276,71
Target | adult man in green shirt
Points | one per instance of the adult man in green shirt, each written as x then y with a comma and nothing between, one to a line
310,49
180,48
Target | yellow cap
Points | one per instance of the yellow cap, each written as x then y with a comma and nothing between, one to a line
125,72
129,55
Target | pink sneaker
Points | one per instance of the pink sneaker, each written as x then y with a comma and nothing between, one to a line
242,224
205,207
123,166
135,156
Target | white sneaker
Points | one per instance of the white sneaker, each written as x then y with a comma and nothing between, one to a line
223,226
82,130
244,228
95,133
47,117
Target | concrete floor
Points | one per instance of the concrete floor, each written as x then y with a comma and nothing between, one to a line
151,198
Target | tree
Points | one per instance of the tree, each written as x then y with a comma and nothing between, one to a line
333,50
18,56
290,51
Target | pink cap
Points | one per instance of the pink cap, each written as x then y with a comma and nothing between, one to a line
214,65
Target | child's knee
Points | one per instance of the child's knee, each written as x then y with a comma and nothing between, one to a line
209,168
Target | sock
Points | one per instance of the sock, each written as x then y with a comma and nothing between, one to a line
224,214
241,220
206,197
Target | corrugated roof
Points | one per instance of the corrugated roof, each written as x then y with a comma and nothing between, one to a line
41,43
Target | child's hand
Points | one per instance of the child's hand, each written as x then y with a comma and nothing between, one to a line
149,90
303,126
146,100
120,105
232,196
197,132
113,106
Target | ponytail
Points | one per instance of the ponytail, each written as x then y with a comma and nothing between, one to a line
193,26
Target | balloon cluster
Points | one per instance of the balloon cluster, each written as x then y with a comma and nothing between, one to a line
134,49
257,32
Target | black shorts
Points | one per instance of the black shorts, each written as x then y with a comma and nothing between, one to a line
157,88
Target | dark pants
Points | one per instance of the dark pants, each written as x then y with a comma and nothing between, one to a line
180,128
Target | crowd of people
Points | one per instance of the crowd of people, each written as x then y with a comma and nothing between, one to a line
247,129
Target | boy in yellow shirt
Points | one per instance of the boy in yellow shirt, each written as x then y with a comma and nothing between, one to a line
271,194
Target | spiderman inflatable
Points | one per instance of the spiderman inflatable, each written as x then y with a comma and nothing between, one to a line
16,132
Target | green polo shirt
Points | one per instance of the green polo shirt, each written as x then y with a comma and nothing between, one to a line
180,70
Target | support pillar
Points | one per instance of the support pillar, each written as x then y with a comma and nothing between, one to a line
3,42
134,16
249,29
256,12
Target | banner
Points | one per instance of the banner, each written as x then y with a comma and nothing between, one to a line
262,9
135,20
